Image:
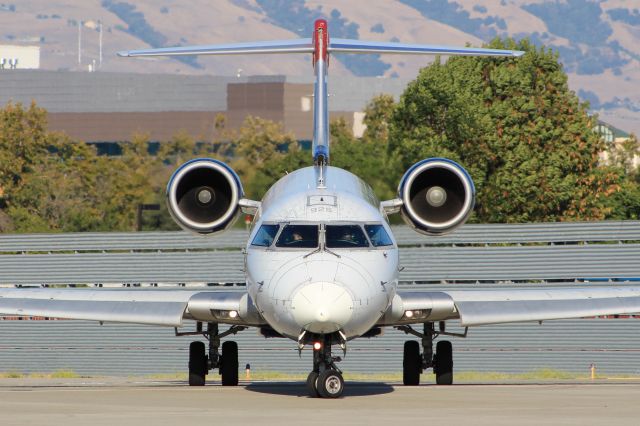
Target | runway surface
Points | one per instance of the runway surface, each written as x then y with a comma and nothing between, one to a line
123,402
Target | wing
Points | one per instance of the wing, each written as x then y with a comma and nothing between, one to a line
481,307
154,307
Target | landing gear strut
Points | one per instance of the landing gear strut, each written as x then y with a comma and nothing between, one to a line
200,363
326,378
414,363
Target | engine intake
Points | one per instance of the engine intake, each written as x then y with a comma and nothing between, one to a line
437,195
203,196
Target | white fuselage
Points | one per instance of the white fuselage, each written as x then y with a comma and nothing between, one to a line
321,288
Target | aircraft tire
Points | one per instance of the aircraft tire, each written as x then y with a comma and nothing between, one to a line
229,364
312,384
330,384
443,367
197,364
411,363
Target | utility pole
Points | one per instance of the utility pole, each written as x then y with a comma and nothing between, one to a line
100,43
79,43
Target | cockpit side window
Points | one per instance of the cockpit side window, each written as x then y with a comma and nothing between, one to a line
298,236
378,235
345,236
265,235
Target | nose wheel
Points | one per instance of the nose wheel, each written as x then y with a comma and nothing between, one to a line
330,384
325,381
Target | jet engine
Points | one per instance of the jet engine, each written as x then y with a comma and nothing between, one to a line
437,196
203,196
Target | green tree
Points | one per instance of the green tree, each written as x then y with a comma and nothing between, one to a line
514,124
259,144
50,183
23,144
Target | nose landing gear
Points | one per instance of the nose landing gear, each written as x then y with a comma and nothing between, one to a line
325,380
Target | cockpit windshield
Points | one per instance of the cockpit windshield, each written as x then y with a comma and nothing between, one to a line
298,236
378,235
345,236
265,235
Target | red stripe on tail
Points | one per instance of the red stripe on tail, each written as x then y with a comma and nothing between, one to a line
320,41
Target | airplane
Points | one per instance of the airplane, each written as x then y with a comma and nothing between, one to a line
321,261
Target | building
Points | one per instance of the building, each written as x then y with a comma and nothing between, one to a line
109,107
617,142
19,57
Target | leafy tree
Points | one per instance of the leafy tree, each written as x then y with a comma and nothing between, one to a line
367,157
514,124
51,183
258,145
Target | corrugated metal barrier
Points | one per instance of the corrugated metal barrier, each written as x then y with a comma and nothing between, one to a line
475,256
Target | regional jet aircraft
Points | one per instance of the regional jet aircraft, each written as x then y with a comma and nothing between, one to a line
321,262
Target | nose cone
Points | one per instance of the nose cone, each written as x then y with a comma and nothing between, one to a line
322,307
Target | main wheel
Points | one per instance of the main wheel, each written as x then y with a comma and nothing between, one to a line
444,363
330,384
197,364
411,363
312,386
229,364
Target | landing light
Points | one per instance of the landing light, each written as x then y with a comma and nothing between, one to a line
416,314
233,314
317,346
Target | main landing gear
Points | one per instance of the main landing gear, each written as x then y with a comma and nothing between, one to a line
414,362
325,380
200,363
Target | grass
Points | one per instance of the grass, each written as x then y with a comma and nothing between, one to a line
58,374
459,376
545,374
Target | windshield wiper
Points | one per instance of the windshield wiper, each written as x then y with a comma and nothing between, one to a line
322,244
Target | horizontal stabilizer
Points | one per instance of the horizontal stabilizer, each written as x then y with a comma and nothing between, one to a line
338,45
303,45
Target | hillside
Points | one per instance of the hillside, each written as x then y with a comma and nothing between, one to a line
598,42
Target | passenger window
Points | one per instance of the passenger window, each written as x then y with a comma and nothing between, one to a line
298,236
378,235
265,235
345,236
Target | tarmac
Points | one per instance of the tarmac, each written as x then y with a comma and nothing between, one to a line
141,402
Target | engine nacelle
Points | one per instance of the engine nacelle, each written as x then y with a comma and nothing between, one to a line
203,196
437,196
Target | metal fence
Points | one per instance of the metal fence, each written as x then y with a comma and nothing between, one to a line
601,251
475,256
124,349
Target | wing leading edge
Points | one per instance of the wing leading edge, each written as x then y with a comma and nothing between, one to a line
152,307
483,307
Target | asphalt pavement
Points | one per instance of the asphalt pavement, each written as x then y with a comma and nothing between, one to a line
142,402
